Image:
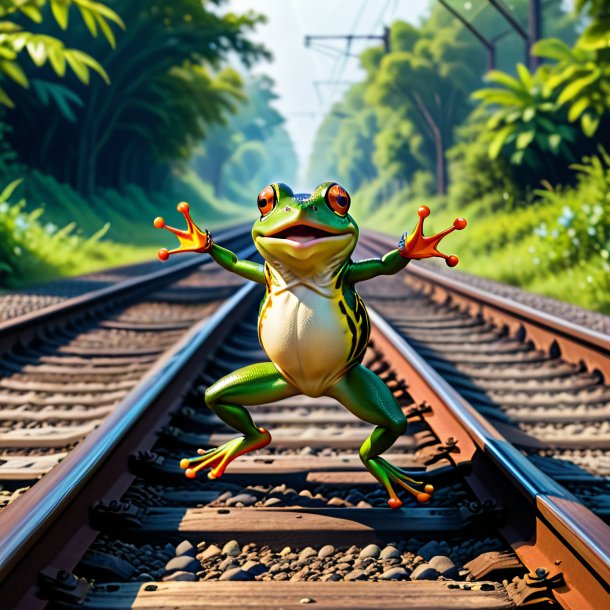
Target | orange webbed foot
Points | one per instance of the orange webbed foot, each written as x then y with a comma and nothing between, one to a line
191,240
219,458
418,246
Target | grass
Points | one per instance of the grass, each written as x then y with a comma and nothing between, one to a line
48,231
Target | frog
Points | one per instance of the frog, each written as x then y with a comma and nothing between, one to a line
312,324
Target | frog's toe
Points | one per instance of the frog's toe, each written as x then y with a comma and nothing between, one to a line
396,476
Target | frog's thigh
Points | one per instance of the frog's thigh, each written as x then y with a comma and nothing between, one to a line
252,385
368,397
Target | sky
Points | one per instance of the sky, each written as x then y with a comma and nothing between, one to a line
308,81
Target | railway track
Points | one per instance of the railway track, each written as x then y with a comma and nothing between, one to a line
65,367
540,379
301,518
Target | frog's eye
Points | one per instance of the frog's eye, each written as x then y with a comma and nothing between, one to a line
267,200
337,199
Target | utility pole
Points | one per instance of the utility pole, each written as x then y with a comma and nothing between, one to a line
488,44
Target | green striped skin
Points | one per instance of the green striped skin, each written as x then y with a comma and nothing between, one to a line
314,327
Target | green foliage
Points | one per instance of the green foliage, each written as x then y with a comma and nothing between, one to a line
41,48
582,231
167,88
527,126
597,34
580,80
33,249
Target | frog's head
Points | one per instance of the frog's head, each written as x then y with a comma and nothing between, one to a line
305,232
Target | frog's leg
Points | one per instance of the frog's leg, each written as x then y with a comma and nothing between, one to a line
367,397
254,384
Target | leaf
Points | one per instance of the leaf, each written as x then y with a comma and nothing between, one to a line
5,99
597,35
517,157
78,67
529,114
32,12
92,63
552,48
499,140
577,108
554,141
14,71
60,94
501,78
496,96
525,75
60,10
107,31
103,11
89,19
589,124
575,87
38,52
8,189
524,139
58,60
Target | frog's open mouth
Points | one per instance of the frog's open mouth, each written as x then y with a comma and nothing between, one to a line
302,233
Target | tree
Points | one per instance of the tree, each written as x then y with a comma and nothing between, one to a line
429,80
42,48
166,89
252,149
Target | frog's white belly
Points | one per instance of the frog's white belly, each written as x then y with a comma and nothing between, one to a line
307,338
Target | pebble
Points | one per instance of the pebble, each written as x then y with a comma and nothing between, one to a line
306,553
424,571
390,552
183,563
236,574
337,502
145,576
273,502
444,566
245,499
307,600
180,575
281,576
395,574
429,550
254,567
326,551
285,551
372,550
231,548
211,551
185,548
355,575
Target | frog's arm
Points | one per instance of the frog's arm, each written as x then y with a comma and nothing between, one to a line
390,263
227,259
196,240
412,246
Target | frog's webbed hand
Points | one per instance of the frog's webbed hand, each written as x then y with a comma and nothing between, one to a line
415,245
418,246
191,240
196,240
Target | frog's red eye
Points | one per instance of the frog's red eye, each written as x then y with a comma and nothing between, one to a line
337,199
267,200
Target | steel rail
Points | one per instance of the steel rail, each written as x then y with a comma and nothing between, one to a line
576,342
23,522
23,327
582,534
